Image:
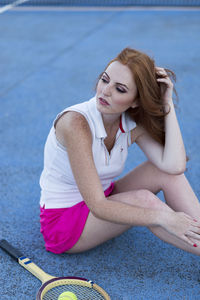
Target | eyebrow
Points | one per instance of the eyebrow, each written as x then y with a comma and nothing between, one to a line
116,82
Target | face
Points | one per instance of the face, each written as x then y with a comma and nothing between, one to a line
116,89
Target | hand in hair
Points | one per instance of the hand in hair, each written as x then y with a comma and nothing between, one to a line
166,85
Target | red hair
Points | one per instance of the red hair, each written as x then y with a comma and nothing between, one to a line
150,111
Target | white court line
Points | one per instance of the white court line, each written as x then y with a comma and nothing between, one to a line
10,6
106,8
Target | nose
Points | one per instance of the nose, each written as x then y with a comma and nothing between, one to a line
107,90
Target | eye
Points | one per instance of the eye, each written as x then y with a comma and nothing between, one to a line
120,90
104,79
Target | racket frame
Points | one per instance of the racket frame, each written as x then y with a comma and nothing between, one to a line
48,281
55,282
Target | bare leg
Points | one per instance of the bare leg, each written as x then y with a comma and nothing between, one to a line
180,196
177,192
98,231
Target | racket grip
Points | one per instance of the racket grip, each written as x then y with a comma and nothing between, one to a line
14,253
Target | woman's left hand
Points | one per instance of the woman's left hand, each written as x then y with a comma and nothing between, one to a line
166,85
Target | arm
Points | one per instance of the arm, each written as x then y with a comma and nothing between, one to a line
73,131
172,157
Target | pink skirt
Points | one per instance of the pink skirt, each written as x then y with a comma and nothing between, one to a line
62,227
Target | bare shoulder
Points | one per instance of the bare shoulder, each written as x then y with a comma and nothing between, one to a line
72,119
136,133
72,125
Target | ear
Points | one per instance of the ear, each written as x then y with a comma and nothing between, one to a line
135,103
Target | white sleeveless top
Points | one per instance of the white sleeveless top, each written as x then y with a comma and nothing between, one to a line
58,186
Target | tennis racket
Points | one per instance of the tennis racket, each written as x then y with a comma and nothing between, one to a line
52,286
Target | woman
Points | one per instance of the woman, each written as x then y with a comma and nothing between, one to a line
87,148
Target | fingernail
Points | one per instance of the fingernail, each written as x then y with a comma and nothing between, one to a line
195,220
195,245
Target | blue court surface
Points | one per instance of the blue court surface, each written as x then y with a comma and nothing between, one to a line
50,59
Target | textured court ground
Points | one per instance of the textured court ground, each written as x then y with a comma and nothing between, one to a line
50,59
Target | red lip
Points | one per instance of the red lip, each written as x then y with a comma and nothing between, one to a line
103,102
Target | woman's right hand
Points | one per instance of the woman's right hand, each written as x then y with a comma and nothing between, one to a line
182,226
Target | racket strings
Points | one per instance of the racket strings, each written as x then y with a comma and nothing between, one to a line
82,292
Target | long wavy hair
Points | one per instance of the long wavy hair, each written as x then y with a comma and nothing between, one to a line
150,111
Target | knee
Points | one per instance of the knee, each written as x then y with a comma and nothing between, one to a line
150,200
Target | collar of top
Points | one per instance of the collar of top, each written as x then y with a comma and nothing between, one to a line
126,123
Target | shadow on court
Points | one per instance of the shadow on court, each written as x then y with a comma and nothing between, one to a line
50,59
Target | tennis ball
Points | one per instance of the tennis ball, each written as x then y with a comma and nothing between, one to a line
67,296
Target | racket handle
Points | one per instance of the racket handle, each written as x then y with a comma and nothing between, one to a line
25,261
14,253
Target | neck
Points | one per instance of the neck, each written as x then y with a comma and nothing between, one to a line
110,120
